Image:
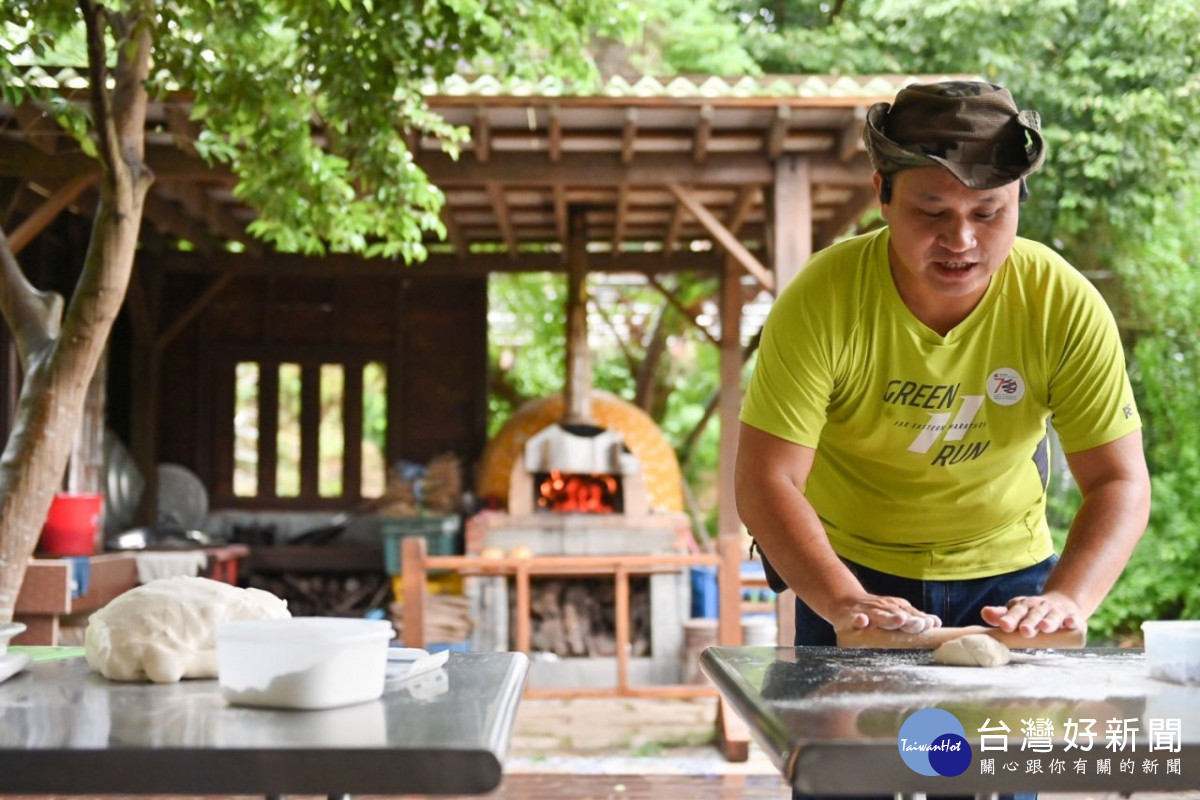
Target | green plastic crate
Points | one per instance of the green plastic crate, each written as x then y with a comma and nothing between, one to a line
441,537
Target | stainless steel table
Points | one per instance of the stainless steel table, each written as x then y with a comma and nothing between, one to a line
66,730
831,719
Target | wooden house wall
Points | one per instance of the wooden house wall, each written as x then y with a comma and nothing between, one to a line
430,330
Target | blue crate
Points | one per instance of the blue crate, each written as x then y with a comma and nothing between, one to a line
442,537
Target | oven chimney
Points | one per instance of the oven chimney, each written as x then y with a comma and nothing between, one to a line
577,392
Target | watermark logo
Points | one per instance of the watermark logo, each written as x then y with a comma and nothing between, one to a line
934,742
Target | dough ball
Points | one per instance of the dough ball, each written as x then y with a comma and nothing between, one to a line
973,650
165,630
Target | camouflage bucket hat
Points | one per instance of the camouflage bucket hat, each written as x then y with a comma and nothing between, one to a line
972,129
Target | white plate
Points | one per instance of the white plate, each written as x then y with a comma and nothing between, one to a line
124,485
12,663
7,631
182,498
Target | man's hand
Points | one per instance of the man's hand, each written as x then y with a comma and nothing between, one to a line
886,613
1044,613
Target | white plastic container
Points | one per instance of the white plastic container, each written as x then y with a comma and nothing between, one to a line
8,630
302,662
1173,650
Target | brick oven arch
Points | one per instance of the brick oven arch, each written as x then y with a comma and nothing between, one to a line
664,479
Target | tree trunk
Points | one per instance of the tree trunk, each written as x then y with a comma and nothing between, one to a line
59,364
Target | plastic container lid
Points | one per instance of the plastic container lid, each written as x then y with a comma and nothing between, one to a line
306,629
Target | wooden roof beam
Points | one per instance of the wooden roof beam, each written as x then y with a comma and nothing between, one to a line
740,209
846,215
346,265
198,204
728,242
587,171
41,130
454,234
622,214
678,214
40,219
503,221
850,142
185,130
703,134
628,134
777,133
181,321
560,217
163,216
531,169
554,138
481,137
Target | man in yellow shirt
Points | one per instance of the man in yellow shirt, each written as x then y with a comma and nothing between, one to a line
892,462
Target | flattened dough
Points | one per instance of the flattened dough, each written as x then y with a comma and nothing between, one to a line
973,650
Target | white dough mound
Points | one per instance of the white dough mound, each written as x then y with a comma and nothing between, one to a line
166,630
973,650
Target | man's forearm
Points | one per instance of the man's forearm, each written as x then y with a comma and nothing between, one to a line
790,534
1103,535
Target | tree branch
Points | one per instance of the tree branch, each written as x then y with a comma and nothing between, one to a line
33,316
630,361
93,23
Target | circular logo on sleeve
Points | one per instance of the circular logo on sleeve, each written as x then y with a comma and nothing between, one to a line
933,742
1005,386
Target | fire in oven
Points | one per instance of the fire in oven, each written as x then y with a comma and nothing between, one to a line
577,493
577,469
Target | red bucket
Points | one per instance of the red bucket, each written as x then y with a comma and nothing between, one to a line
72,525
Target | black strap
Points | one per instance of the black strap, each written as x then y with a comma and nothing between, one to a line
776,583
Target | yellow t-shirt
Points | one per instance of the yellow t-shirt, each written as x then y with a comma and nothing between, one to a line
931,450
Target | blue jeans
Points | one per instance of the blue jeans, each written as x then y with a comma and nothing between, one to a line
958,603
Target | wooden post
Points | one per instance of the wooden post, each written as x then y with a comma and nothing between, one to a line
791,219
729,591
524,626
577,392
621,610
412,573
729,398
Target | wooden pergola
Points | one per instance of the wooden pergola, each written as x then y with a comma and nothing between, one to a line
739,178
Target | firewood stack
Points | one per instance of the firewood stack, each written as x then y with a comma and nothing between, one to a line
447,618
576,618
325,595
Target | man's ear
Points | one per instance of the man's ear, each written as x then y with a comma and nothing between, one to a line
883,188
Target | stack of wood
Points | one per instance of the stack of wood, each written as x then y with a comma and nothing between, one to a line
576,618
447,618
412,490
326,594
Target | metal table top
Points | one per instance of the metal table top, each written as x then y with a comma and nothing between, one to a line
1078,720
66,730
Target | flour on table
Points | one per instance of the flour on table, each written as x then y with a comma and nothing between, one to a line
165,630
